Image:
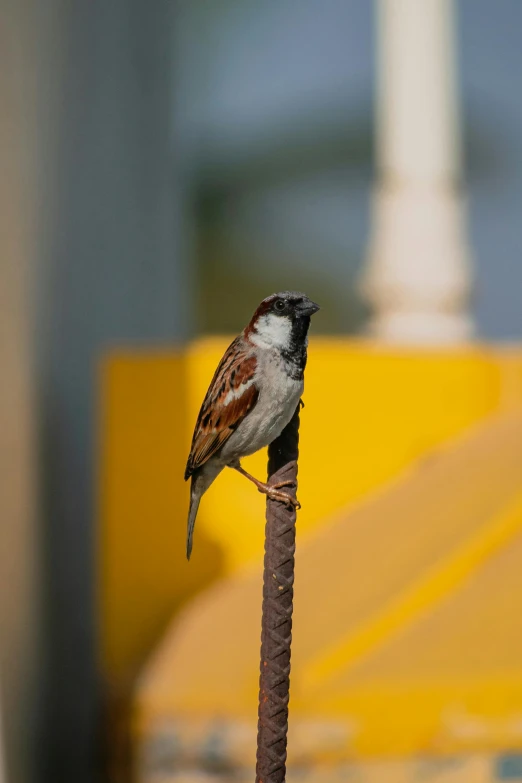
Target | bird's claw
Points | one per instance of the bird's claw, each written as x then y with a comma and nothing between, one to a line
286,483
283,497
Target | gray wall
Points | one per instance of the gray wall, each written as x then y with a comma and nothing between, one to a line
19,530
104,265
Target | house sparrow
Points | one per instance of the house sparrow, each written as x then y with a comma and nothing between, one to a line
252,396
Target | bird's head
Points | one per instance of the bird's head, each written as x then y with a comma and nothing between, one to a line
281,320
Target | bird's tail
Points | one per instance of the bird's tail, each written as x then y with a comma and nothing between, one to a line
195,497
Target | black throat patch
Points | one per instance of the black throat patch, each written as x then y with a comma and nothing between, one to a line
295,355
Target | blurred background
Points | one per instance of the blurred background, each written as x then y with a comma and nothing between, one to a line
164,167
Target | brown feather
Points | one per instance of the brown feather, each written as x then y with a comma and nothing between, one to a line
217,421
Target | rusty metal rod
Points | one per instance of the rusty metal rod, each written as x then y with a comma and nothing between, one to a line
276,624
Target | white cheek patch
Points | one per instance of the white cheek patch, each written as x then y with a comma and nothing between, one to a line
235,394
272,331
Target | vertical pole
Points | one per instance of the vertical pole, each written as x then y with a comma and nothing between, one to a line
276,626
2,770
417,277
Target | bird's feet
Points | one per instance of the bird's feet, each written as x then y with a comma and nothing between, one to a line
273,492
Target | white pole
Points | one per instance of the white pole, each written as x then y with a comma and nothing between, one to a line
417,277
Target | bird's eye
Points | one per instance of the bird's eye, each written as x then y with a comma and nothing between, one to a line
279,305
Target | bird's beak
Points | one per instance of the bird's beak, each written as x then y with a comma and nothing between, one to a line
307,307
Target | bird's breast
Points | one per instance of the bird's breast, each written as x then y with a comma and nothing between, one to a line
279,396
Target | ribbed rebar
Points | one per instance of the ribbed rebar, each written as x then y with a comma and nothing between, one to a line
276,624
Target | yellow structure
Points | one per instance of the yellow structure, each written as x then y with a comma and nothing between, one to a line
414,573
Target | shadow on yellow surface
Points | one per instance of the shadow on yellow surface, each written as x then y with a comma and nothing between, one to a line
144,575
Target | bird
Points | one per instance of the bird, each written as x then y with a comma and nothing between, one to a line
253,395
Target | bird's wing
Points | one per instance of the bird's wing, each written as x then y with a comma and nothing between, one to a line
230,397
